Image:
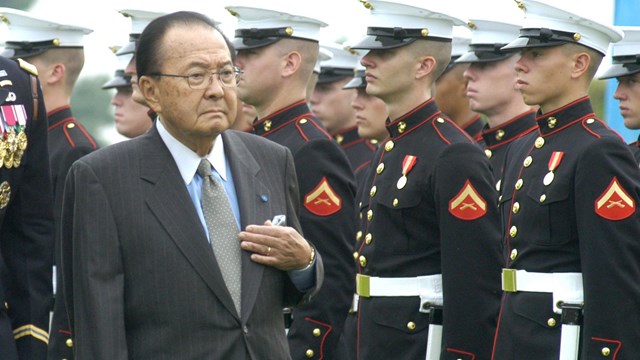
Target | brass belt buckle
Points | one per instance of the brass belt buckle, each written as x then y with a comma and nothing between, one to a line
509,280
362,285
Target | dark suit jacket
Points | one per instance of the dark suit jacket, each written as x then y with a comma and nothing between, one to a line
144,280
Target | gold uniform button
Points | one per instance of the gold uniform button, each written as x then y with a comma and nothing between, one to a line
317,332
488,153
71,125
373,191
516,207
551,122
605,351
389,145
440,120
591,121
543,197
551,322
513,231
498,185
395,202
309,353
514,254
363,261
6,305
368,239
519,184
267,125
539,142
402,126
411,325
360,215
355,255
380,168
303,121
527,161
499,134
69,343
369,214
339,139
358,235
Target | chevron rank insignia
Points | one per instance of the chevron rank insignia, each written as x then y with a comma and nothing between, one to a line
468,204
323,200
615,203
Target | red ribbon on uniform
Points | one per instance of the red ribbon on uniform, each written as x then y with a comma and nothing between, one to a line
408,163
554,162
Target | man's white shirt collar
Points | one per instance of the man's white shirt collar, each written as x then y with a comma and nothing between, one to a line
187,160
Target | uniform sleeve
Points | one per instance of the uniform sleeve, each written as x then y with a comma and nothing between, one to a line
327,191
93,277
470,246
27,244
607,188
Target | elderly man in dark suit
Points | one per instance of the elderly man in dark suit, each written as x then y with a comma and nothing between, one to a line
141,218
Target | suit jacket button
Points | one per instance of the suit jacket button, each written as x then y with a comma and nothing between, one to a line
245,329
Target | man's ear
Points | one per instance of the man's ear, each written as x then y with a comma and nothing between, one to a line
426,66
149,90
53,74
581,62
292,62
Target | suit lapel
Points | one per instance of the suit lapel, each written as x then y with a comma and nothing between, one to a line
169,200
253,197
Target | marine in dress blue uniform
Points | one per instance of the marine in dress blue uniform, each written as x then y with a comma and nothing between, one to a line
626,69
336,72
569,202
326,184
508,117
33,38
428,233
26,215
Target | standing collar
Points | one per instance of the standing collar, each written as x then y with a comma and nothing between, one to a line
564,116
413,119
187,160
278,119
510,130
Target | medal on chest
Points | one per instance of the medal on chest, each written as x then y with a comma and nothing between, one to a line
407,165
13,140
554,162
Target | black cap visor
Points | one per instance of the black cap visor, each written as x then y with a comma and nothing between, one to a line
617,70
484,53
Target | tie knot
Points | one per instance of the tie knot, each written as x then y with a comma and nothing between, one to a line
204,169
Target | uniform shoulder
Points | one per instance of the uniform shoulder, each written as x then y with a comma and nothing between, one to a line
76,135
28,67
449,132
310,129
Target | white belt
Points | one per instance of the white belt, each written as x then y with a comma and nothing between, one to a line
565,287
428,288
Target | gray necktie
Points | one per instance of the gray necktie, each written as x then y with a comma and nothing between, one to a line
223,231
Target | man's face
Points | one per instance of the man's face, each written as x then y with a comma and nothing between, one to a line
451,91
131,117
261,74
543,76
389,73
371,116
491,86
331,104
189,113
628,93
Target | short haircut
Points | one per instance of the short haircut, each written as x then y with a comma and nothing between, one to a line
308,49
595,56
149,49
72,58
439,50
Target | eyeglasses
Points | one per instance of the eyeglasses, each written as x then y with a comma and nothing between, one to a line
201,80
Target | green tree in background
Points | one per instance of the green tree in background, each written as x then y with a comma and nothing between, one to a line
18,4
91,105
